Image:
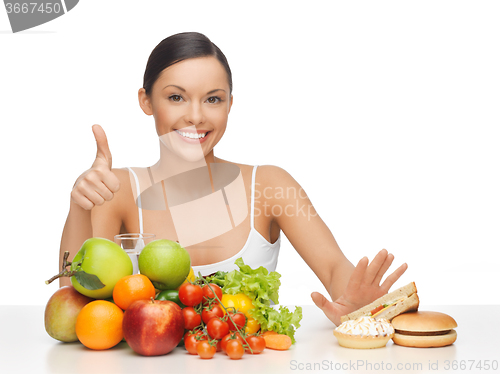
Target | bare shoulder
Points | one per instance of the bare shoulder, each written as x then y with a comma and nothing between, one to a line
124,195
274,176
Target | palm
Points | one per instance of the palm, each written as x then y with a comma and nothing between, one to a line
363,287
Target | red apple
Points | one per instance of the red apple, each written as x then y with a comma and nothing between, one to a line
61,312
153,327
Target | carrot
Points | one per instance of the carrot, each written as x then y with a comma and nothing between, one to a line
280,342
269,332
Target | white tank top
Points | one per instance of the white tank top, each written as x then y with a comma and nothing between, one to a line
256,252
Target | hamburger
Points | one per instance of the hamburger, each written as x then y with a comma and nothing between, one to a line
404,299
424,329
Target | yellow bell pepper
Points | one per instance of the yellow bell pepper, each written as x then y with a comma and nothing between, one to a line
239,301
252,326
242,303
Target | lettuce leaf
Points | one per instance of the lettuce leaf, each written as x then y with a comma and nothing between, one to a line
282,321
262,287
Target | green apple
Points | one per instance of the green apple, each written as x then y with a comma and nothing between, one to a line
61,312
105,259
166,263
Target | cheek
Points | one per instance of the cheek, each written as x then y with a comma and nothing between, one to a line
165,119
219,118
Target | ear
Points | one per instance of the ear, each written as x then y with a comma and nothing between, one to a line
145,102
230,104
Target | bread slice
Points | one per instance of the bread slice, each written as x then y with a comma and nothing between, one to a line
402,300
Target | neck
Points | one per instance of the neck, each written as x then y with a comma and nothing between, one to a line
171,164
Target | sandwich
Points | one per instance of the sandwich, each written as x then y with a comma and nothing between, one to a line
404,299
424,329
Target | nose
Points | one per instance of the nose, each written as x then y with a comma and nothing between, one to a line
195,115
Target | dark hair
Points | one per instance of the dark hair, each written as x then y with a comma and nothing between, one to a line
181,47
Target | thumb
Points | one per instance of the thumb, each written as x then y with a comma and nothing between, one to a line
329,308
103,151
319,300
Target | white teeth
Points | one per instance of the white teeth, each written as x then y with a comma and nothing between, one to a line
191,135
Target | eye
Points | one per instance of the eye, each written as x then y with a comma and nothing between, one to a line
214,100
175,98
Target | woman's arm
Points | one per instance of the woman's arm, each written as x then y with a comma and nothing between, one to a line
294,213
90,204
104,221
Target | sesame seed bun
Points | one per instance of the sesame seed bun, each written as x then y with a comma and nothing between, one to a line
424,329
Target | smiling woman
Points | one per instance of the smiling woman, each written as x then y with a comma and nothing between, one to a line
218,209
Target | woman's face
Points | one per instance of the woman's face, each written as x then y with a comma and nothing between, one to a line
190,102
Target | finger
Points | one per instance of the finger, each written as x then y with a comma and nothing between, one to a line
375,266
104,191
81,200
94,181
103,151
111,181
326,306
357,275
386,265
391,279
88,190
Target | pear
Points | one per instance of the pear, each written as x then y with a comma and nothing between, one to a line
61,312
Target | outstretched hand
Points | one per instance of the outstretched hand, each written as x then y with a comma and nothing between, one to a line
363,287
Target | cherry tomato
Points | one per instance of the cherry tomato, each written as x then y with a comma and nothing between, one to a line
225,339
215,311
209,294
234,349
228,337
205,349
190,341
217,328
191,318
257,343
239,319
190,294
219,345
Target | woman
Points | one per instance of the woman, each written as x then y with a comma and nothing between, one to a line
188,90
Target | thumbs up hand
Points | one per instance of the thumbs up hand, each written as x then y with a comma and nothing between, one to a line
98,184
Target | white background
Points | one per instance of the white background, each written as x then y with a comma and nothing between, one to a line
386,113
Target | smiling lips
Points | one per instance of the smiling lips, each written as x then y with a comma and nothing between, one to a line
193,137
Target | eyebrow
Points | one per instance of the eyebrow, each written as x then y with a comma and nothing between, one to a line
183,90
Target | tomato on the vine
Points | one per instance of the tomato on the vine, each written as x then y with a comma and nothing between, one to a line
190,294
190,341
219,345
234,349
257,343
228,337
212,312
209,293
205,349
191,318
217,328
239,319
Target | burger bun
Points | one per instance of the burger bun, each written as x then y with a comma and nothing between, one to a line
424,329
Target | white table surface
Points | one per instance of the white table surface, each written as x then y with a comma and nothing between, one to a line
25,347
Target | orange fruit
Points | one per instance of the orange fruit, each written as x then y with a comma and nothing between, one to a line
99,325
131,288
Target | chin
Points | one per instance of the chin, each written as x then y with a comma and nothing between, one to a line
192,153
